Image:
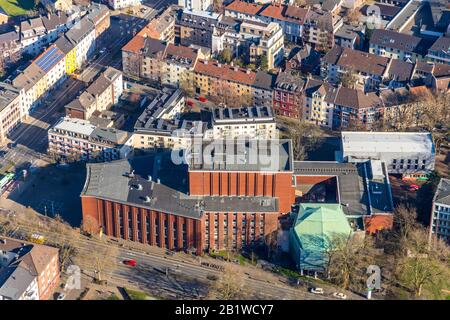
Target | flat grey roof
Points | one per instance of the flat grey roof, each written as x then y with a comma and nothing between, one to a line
353,182
387,142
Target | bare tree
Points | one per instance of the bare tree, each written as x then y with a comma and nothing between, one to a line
347,258
349,79
90,225
422,264
304,136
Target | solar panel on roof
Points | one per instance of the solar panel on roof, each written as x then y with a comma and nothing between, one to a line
49,59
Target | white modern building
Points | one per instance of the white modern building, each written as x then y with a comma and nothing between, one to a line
440,215
406,153
121,4
77,139
253,122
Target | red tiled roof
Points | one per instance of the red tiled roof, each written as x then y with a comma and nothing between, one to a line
244,7
225,72
135,45
274,11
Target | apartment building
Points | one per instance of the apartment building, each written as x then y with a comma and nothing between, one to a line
69,49
262,89
162,27
252,122
32,36
162,125
391,44
83,36
319,29
73,139
196,27
440,214
405,153
287,95
439,52
250,39
313,26
46,72
10,47
178,65
350,36
57,5
228,84
199,5
122,4
243,10
199,208
28,271
261,39
37,33
99,15
318,98
10,112
367,69
290,18
99,96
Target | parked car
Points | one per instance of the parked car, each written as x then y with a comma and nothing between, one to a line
339,295
413,187
202,99
316,290
61,296
130,262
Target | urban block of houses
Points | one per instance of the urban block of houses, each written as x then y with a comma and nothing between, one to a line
339,107
49,69
28,271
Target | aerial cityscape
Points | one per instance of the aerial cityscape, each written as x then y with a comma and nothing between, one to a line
224,150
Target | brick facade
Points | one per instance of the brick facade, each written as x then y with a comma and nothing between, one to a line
278,185
214,231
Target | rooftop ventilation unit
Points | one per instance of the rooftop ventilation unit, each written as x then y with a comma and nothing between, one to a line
147,199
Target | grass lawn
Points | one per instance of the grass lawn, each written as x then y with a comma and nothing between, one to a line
138,295
113,297
17,7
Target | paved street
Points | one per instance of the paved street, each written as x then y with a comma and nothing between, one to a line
187,277
31,135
